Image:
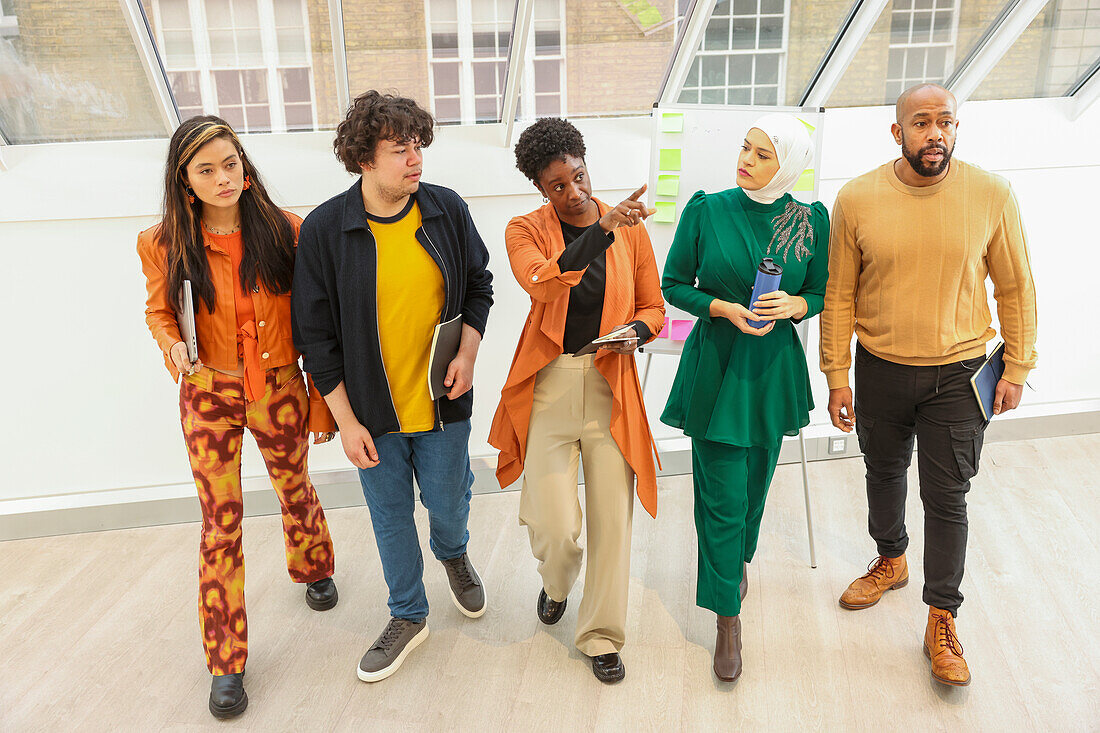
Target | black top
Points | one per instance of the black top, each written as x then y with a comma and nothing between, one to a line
334,307
587,247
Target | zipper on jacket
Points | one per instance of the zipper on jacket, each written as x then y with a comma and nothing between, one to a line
443,316
378,330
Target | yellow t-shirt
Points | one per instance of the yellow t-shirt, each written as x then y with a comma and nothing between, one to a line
410,301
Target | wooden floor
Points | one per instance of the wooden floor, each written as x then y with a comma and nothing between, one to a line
99,631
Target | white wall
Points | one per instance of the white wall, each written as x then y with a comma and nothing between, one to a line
92,414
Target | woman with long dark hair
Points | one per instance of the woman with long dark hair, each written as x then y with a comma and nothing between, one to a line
222,234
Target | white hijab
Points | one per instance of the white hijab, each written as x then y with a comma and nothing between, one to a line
794,150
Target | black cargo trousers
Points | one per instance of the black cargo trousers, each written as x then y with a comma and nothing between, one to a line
894,403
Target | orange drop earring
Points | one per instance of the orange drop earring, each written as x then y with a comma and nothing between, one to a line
247,183
190,195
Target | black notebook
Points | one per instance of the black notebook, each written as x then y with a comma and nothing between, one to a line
445,344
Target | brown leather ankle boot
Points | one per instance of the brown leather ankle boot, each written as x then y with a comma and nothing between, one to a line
943,647
727,648
883,574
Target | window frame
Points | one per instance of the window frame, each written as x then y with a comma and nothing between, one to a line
273,70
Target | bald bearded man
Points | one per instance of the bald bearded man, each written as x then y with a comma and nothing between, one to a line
911,245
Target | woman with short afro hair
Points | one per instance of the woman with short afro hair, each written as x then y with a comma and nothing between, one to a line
590,272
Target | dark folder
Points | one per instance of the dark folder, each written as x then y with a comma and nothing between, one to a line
985,380
445,343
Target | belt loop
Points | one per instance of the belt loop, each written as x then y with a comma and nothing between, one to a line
938,368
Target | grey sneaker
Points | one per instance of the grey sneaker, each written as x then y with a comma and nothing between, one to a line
466,589
399,638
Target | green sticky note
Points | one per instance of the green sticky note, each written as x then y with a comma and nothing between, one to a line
668,185
672,122
805,181
666,212
809,127
650,16
669,159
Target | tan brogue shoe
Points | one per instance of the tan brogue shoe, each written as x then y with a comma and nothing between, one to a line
883,574
943,647
727,649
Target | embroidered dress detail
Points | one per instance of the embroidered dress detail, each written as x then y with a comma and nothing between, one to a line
792,228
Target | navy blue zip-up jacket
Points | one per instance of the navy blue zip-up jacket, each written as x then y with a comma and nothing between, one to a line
335,308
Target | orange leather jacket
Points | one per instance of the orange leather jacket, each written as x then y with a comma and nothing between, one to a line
632,293
217,331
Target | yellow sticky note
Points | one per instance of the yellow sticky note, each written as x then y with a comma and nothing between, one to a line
649,16
672,122
809,127
666,211
669,159
668,186
805,181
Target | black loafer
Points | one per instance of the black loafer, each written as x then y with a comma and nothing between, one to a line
227,698
608,668
321,594
550,612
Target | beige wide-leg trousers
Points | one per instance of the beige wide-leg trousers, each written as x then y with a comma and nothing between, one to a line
571,420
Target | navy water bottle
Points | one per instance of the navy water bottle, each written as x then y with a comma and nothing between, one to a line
768,276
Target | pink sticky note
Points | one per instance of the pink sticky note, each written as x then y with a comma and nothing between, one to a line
681,329
664,331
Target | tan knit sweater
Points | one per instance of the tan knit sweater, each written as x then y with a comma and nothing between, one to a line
907,270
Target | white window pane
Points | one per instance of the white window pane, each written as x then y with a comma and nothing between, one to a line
744,33
744,7
448,110
258,118
443,11
250,50
485,108
228,86
445,77
941,31
246,14
445,45
255,85
234,116
223,52
295,85
922,27
483,11
899,28
937,64
292,46
547,76
178,49
298,116
485,78
185,88
218,14
717,36
174,14
289,13
713,70
767,70
765,95
896,66
771,32
547,10
547,105
740,70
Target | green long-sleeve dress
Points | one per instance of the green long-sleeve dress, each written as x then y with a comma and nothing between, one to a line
735,394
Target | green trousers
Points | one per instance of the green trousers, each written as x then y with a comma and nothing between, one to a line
731,484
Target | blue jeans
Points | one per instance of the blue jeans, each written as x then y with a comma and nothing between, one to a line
440,463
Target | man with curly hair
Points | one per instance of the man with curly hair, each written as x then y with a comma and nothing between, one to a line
378,268
590,271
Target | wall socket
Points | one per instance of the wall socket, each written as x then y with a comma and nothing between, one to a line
837,446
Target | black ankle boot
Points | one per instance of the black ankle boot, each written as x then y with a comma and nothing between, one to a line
227,698
321,594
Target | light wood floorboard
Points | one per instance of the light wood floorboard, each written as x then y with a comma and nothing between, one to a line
100,631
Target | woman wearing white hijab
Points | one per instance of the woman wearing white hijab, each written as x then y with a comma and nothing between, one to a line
739,389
